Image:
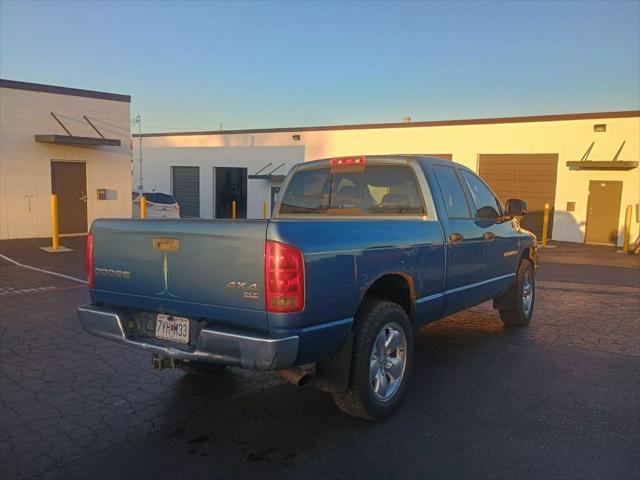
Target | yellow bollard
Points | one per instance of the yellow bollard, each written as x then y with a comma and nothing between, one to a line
143,207
233,209
264,209
627,229
55,238
545,224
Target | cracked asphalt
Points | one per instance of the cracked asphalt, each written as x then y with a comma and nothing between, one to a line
559,399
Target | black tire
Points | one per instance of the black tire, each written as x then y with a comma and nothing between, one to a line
519,315
360,400
203,368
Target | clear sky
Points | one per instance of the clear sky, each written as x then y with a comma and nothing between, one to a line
193,65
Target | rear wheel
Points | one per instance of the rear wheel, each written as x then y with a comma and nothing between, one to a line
524,293
382,358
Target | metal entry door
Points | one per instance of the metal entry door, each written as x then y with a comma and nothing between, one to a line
230,186
185,187
603,212
69,183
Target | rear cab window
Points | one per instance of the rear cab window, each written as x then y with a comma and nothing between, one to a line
370,190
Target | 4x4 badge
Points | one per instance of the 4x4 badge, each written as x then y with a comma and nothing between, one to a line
250,290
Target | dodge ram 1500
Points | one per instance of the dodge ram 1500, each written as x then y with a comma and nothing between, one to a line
359,253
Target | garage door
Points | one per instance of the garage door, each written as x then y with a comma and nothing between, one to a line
186,189
530,177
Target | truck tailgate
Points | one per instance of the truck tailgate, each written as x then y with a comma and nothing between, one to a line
211,269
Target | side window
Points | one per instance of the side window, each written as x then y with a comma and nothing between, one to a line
452,193
391,190
487,207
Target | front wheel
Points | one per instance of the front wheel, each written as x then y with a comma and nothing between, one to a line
382,359
524,293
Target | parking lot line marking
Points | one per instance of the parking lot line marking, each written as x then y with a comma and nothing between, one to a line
36,290
9,291
42,270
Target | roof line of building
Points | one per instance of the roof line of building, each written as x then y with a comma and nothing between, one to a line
435,123
75,92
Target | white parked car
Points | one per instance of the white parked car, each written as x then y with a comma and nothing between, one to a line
159,205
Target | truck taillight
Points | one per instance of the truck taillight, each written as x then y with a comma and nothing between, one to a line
284,278
89,260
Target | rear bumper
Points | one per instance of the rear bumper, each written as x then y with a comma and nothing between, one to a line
214,346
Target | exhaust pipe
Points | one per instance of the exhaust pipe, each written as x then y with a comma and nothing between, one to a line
300,376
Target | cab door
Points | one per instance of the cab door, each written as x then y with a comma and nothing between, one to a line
464,242
500,241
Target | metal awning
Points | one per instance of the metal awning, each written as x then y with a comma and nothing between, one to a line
585,164
74,140
78,141
276,178
270,175
602,165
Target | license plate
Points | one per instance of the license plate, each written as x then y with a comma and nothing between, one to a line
171,328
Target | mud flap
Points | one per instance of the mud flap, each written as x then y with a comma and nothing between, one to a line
333,373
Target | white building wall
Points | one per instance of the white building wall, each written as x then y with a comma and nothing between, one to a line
568,138
25,165
157,163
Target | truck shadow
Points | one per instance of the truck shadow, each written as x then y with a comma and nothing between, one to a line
250,419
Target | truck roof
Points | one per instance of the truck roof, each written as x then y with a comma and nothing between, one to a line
423,159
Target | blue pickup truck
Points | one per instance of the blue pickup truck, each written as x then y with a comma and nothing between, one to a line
360,252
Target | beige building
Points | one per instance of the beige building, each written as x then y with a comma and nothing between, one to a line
584,165
75,143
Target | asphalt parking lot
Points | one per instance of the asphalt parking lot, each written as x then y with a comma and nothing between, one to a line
559,399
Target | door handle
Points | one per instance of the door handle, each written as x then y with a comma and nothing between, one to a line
489,236
455,237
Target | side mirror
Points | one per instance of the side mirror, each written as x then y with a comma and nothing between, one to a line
516,207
